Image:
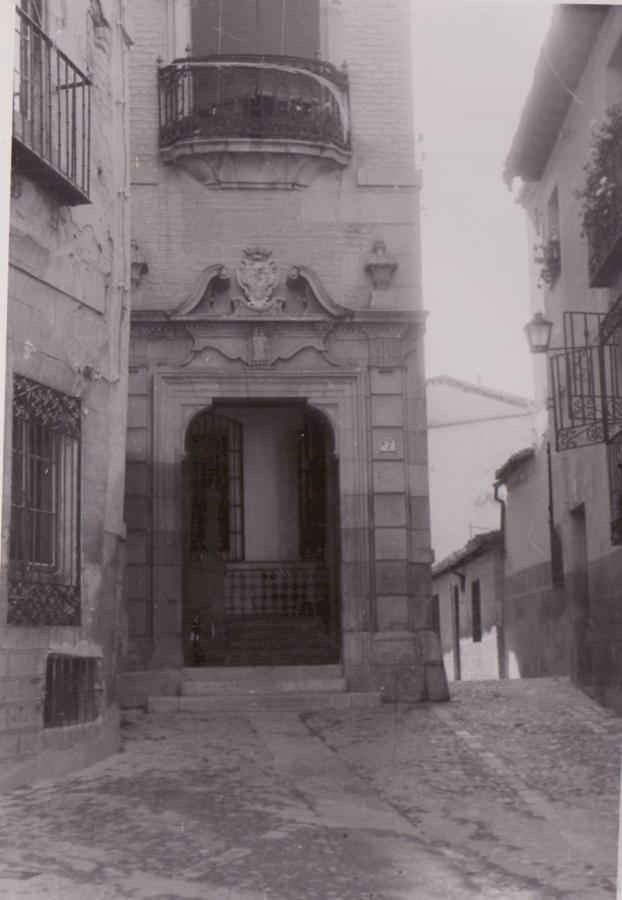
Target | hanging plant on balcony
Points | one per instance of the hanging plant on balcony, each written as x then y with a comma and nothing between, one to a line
546,255
598,194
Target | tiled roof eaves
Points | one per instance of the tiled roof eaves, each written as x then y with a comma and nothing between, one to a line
561,64
475,547
523,402
514,462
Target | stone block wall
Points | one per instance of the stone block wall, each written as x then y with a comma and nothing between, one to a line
370,383
67,328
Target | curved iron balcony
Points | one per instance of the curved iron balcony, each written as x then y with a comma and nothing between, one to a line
217,113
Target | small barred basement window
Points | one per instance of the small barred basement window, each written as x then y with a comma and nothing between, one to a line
44,574
72,690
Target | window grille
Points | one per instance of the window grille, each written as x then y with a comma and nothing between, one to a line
214,445
45,502
476,611
51,110
312,506
586,382
72,690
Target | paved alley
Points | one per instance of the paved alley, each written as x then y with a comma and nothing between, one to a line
510,791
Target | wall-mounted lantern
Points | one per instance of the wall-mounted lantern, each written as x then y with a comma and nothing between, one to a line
538,331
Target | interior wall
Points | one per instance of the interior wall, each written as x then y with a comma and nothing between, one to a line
270,478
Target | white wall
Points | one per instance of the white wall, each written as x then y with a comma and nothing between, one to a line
479,660
470,435
270,482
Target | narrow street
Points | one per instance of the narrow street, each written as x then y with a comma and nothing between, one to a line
510,791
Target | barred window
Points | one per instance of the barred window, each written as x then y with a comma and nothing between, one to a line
214,486
45,493
72,690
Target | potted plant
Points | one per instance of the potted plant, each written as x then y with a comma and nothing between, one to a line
598,194
548,257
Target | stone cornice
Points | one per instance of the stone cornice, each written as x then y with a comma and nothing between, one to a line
157,322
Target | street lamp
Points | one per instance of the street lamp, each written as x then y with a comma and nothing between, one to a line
538,331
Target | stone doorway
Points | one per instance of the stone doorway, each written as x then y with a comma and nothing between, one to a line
260,536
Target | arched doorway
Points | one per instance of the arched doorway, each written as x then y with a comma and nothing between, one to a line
261,536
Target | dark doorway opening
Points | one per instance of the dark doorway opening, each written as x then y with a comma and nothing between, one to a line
261,536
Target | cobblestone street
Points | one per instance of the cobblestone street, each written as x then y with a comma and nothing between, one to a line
510,791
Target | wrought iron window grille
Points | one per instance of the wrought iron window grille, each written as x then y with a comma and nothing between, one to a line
214,481
585,379
44,571
51,113
73,690
586,382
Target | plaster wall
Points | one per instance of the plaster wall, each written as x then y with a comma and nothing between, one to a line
544,616
535,614
67,316
479,660
271,528
469,436
451,401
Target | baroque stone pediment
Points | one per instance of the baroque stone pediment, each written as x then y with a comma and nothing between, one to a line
260,346
258,288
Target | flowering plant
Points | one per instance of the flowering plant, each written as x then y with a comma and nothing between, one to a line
597,195
547,256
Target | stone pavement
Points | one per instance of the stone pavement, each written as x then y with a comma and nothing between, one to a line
510,791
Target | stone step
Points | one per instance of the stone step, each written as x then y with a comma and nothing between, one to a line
240,658
196,688
264,674
294,702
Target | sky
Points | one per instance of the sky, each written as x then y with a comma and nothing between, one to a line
473,67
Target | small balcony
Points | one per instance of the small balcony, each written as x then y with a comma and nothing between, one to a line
51,115
604,235
254,121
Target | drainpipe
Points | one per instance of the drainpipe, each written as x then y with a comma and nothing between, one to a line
500,587
501,503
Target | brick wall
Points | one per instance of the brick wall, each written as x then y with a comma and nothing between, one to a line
182,226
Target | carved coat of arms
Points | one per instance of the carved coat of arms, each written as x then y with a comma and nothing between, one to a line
258,275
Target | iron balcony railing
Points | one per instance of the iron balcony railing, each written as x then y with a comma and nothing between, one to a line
245,96
51,114
605,234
